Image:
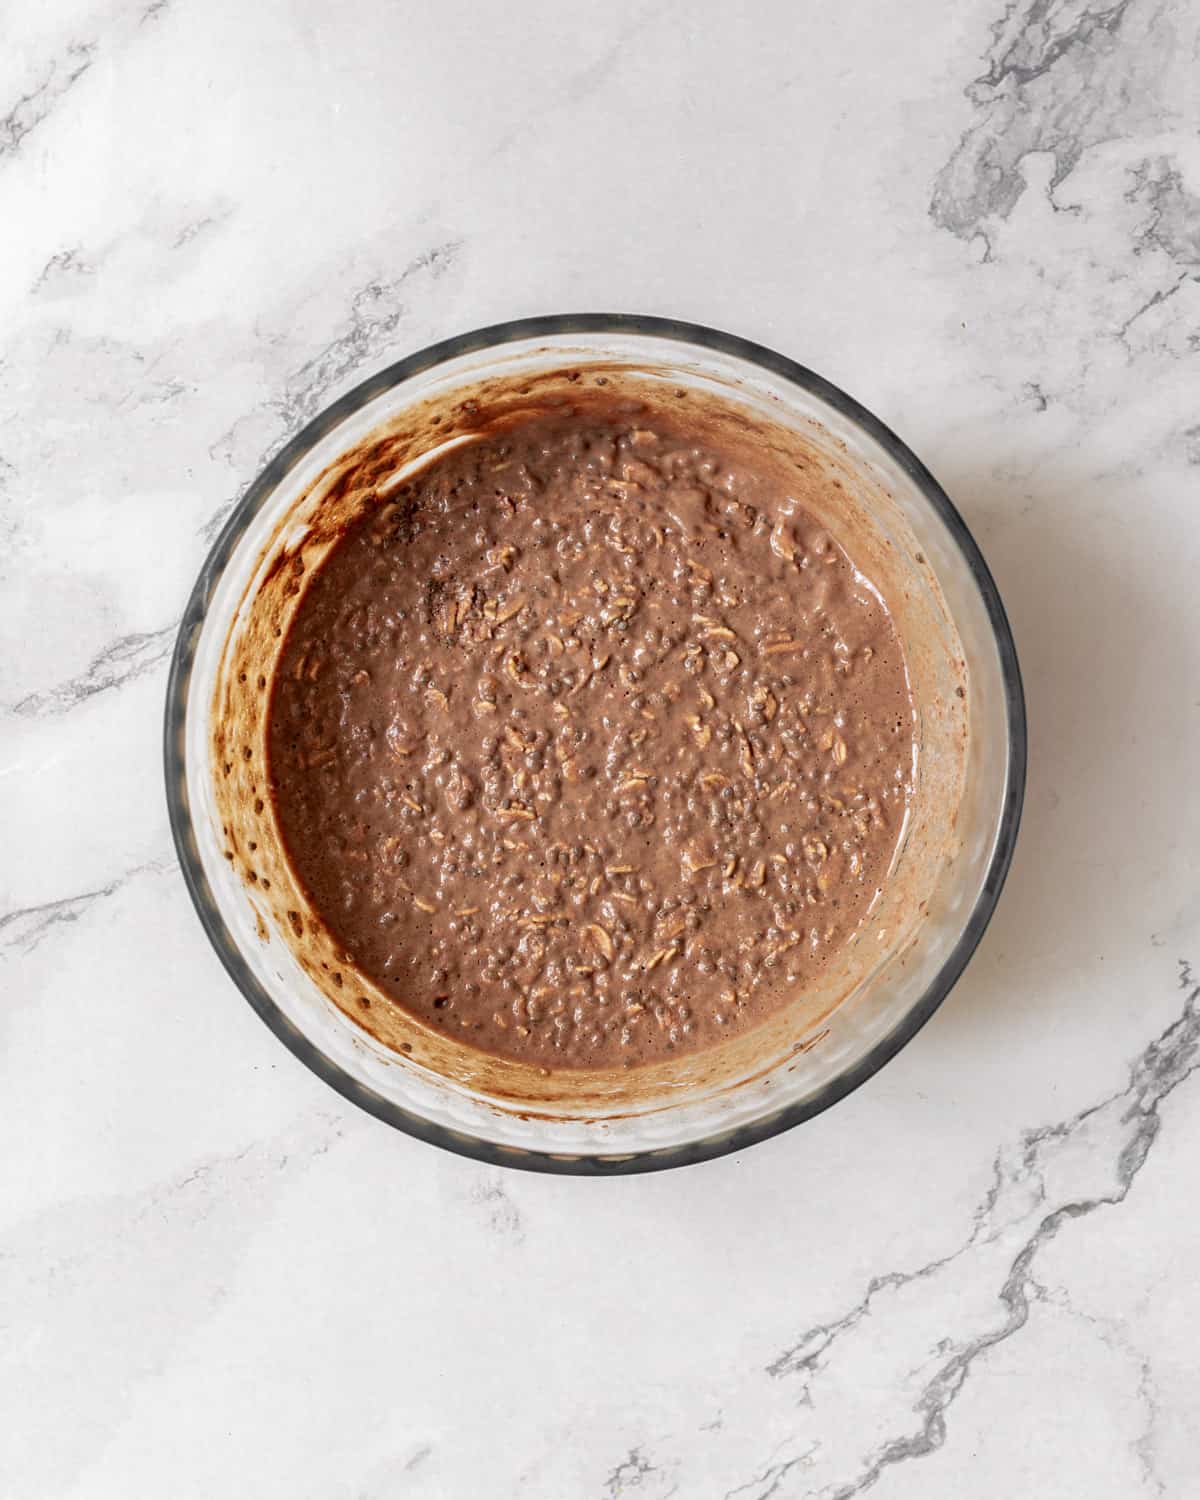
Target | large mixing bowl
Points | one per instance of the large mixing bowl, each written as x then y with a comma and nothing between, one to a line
948,869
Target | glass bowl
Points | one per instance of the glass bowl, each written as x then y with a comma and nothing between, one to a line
948,872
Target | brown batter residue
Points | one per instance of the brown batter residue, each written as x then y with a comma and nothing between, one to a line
589,744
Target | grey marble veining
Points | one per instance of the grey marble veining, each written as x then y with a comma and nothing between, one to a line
976,1275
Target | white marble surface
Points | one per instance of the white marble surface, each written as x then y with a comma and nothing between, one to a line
976,1276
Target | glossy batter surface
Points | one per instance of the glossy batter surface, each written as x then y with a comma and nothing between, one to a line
590,745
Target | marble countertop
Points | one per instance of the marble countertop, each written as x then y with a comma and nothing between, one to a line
979,1274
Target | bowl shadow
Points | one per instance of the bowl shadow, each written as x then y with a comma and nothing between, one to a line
1081,627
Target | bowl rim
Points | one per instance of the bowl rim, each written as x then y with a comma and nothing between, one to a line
721,1142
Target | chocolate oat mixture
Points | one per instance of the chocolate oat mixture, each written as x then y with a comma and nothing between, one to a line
590,745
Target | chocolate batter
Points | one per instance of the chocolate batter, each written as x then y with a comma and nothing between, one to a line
589,744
